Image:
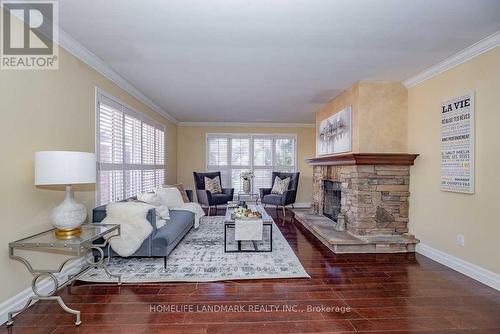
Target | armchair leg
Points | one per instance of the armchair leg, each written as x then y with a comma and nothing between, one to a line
165,262
209,210
284,214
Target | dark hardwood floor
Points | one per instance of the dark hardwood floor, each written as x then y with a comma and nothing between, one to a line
368,293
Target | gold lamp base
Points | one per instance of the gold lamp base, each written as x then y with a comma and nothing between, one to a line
68,234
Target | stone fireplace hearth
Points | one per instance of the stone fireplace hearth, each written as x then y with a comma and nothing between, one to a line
373,193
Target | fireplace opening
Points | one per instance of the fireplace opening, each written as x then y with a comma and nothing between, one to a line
332,193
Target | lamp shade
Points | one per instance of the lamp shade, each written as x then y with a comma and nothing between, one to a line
64,167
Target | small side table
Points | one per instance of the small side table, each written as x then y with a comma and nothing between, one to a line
81,247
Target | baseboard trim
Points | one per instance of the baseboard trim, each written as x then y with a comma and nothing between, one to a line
45,286
480,274
302,205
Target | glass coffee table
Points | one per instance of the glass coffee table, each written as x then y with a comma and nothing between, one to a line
80,247
229,227
248,197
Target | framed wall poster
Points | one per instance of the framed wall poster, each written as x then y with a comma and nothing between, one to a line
334,134
457,144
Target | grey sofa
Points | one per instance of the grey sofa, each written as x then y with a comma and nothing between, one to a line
161,241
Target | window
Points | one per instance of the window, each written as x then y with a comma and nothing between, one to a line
131,151
233,153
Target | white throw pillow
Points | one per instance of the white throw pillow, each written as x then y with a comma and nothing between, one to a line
162,211
280,186
150,198
171,197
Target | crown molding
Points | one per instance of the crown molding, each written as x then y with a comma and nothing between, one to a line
89,58
81,52
472,51
249,124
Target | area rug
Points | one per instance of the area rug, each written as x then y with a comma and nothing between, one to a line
200,257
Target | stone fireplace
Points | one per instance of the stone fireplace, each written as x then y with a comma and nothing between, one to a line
373,187
362,199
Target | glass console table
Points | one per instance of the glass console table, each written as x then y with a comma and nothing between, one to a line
79,247
248,197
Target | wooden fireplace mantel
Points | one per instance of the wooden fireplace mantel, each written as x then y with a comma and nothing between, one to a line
394,159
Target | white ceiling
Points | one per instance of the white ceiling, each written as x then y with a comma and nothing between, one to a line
270,60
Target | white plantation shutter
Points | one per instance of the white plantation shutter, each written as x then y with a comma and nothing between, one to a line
131,151
160,156
262,162
217,158
133,138
232,154
240,151
217,151
148,180
111,134
148,144
133,180
285,154
262,178
160,176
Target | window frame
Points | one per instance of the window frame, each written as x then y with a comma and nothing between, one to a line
252,136
143,118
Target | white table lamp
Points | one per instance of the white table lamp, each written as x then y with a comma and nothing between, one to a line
67,168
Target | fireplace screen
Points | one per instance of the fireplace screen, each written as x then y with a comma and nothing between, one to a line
331,199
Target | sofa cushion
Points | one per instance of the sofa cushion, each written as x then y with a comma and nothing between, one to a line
221,199
177,224
273,199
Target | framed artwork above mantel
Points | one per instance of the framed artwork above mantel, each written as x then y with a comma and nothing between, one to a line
334,134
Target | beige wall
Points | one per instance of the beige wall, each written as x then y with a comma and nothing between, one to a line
191,152
379,116
48,110
382,117
436,217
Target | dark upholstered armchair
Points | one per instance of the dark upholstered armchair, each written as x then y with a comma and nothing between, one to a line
207,198
287,198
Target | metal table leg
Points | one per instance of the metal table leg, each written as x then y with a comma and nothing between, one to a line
40,296
103,261
38,273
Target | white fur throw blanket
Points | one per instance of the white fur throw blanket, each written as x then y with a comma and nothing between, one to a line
194,208
134,227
